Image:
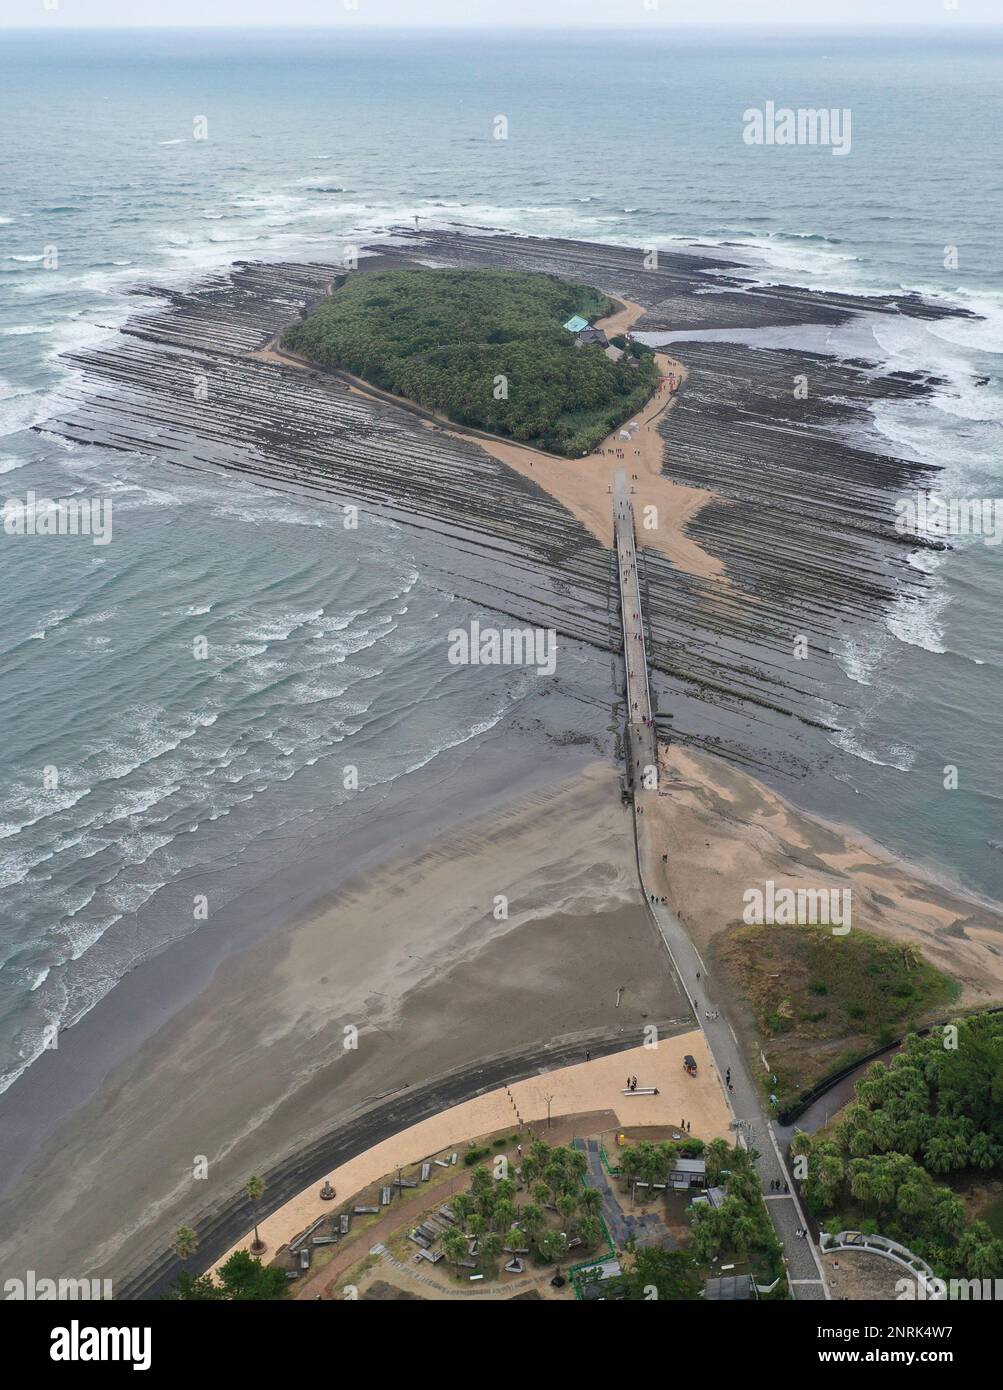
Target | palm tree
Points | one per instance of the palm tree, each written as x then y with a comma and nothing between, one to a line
532,1219
706,1236
504,1214
556,1177
577,1164
590,1230
590,1201
516,1238
255,1190
463,1206
186,1242
490,1247
540,1152
718,1153
505,1190
568,1207
454,1246
985,1150
480,1181
744,1233
630,1164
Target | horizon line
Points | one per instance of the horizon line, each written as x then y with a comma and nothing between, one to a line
350,26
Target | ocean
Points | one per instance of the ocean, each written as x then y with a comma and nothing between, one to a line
326,647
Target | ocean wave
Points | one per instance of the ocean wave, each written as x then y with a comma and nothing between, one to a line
24,330
898,756
858,658
918,621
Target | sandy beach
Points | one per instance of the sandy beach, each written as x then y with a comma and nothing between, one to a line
412,955
724,832
583,485
586,1091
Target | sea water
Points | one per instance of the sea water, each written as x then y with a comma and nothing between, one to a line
149,158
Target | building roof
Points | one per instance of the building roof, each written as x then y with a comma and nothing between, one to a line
576,324
732,1288
690,1165
605,1271
593,335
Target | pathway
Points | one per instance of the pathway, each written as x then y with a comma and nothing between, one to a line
803,1265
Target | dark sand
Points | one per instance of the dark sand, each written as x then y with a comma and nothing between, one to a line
410,954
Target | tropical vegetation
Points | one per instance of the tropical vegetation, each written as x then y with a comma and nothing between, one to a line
936,1109
560,1207
241,1279
487,348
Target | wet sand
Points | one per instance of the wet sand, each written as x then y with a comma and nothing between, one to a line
231,1046
725,832
411,954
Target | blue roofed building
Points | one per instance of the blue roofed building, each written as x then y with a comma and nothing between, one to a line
576,324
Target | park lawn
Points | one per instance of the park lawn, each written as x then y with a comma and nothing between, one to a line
486,348
821,1001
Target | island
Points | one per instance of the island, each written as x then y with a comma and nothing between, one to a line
513,353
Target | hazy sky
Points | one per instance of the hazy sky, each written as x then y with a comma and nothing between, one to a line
568,13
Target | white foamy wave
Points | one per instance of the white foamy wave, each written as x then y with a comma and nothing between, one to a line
858,658
917,621
24,330
926,561
898,756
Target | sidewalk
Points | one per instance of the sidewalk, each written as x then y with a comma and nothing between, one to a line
583,1088
802,1257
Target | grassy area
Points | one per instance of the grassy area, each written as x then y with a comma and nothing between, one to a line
487,348
821,1000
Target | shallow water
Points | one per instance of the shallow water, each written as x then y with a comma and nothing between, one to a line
326,647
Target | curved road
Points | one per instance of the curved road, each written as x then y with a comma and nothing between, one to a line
220,1227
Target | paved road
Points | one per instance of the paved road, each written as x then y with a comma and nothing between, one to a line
751,1120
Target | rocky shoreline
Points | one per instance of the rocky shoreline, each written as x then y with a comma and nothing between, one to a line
802,520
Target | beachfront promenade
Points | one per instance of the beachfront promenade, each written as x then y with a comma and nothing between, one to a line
751,1121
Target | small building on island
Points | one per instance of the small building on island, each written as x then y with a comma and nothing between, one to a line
589,336
576,324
